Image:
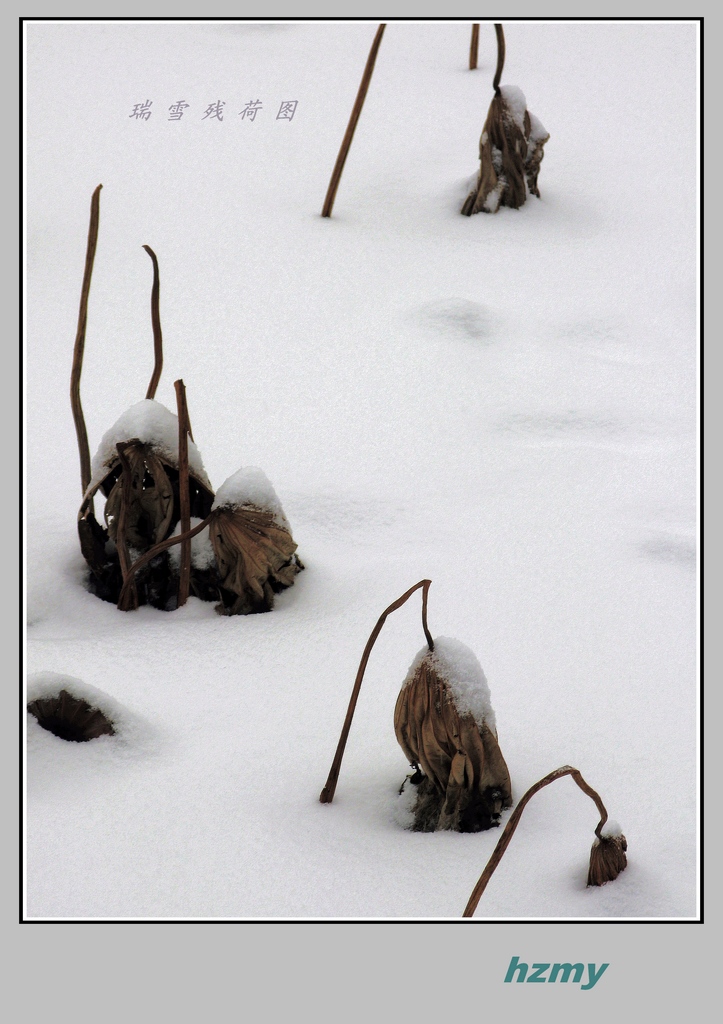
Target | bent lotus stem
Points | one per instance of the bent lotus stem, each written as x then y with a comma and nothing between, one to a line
183,492
513,822
156,323
499,31
327,793
349,134
163,545
77,409
474,47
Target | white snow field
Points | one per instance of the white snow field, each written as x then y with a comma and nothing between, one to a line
505,404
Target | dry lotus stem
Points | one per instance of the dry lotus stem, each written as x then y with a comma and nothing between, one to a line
327,793
474,46
156,323
75,372
125,487
607,857
501,51
510,148
183,493
349,134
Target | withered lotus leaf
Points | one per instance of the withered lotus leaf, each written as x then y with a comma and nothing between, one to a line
510,152
255,557
464,782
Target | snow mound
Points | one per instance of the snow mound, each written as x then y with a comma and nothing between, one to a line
202,555
611,829
403,810
454,662
538,132
155,426
251,487
516,103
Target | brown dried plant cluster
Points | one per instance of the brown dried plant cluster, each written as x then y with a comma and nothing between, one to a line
510,149
460,778
152,494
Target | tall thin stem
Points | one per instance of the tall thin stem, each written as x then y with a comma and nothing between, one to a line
474,47
78,350
511,825
156,324
327,793
183,492
349,134
128,598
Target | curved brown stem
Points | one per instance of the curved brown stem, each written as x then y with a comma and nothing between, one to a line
349,134
87,503
327,793
499,31
77,367
157,549
511,825
474,47
184,584
156,323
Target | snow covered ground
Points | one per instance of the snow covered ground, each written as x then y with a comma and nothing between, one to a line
503,404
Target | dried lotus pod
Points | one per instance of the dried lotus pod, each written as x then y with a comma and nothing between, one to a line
607,859
445,725
510,149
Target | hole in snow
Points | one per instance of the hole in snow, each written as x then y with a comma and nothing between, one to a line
70,718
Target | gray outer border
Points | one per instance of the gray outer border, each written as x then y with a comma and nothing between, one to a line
361,970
